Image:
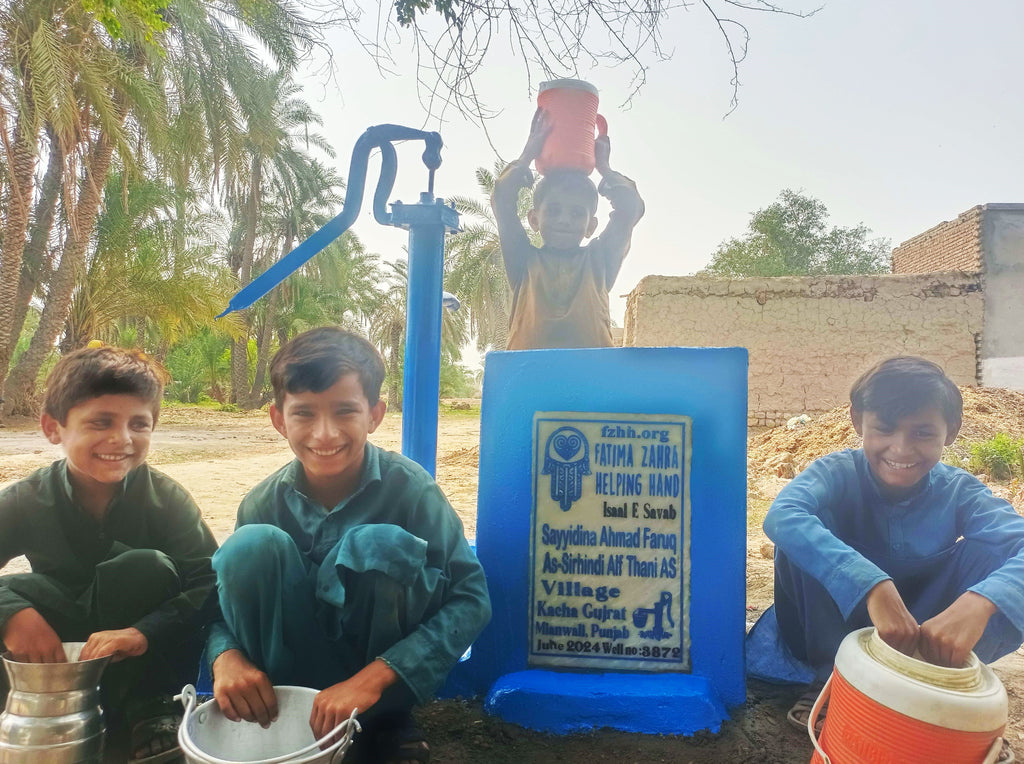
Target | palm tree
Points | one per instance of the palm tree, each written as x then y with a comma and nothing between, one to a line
387,323
474,270
139,275
276,121
89,83
101,98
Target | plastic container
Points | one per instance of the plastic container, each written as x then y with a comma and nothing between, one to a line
206,736
886,707
572,107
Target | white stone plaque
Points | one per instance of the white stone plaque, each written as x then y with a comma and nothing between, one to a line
610,546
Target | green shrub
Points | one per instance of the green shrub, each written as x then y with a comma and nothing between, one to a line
1001,456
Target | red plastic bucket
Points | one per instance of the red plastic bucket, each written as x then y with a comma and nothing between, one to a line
888,708
572,107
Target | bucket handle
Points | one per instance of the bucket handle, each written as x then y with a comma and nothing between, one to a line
993,752
188,700
813,718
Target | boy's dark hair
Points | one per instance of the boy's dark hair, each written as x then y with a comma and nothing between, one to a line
904,385
565,181
92,372
314,360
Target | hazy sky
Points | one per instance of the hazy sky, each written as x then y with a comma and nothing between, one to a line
897,115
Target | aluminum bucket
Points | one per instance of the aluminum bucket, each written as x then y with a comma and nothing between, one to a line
206,736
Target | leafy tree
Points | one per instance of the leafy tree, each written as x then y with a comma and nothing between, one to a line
94,86
139,275
387,331
199,366
275,128
792,238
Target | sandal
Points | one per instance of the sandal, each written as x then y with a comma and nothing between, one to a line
154,736
801,710
1006,754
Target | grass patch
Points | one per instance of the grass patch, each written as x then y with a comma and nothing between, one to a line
1001,456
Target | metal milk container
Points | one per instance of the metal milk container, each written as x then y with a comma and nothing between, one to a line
53,713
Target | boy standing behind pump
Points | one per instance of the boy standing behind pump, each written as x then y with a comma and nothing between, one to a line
560,291
348,570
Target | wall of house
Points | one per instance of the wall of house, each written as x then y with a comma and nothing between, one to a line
809,338
1002,347
953,245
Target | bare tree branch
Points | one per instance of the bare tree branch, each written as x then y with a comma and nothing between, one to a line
552,38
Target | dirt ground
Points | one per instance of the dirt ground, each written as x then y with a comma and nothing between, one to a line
219,456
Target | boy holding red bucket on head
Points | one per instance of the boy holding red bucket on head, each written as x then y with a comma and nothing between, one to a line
348,570
888,536
560,290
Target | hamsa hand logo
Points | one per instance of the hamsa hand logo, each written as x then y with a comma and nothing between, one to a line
567,460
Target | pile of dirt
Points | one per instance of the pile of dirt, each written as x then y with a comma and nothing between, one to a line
782,452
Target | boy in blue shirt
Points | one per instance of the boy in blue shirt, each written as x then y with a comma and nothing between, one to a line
887,536
348,570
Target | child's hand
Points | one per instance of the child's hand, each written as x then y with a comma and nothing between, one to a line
120,643
602,150
947,638
335,704
30,639
540,129
243,691
896,626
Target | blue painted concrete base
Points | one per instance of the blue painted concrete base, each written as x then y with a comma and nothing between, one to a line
562,703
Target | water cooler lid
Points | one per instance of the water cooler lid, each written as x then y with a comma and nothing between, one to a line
969,699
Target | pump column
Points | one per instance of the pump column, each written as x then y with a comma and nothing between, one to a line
427,222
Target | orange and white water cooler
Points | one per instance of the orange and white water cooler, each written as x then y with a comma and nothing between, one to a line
885,707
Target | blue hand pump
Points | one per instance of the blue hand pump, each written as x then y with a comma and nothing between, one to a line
427,222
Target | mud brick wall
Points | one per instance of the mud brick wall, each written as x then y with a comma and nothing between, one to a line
953,245
809,338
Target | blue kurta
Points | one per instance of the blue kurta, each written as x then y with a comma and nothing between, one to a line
396,528
836,534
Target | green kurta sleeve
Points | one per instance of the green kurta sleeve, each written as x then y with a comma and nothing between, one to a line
10,547
424,658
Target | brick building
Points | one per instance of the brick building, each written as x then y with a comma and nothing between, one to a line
988,240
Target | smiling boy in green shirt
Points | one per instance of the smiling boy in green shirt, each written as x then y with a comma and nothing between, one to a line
348,570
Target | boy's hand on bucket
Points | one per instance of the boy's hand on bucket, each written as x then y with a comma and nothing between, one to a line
948,638
895,625
120,643
242,691
335,704
30,639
